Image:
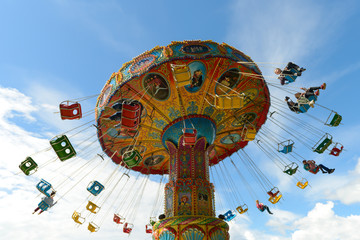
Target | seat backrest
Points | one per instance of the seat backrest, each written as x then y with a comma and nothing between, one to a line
62,147
44,187
28,166
92,207
77,218
70,110
95,188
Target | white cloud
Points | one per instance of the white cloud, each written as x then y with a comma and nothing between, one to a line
322,223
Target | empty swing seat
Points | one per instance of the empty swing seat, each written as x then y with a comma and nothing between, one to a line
286,146
242,209
62,147
28,166
128,228
95,188
70,110
189,136
44,187
118,219
93,227
148,228
92,207
229,101
323,144
131,115
291,168
181,74
43,206
248,133
132,158
335,119
335,151
77,218
229,215
302,184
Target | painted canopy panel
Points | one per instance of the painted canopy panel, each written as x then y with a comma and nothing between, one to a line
182,81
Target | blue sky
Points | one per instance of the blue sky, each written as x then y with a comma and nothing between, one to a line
61,49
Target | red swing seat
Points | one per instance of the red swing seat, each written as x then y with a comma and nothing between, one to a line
189,136
335,151
148,228
128,228
118,219
131,115
70,110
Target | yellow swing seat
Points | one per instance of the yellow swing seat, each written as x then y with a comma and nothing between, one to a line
229,101
242,209
248,133
77,218
92,207
182,74
93,227
303,183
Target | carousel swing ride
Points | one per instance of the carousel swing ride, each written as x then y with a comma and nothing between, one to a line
185,111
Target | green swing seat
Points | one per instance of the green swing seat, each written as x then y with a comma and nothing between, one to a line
291,168
132,158
323,144
335,119
62,147
28,166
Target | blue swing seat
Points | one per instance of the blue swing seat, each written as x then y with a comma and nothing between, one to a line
287,146
229,215
95,188
43,205
291,78
305,107
44,187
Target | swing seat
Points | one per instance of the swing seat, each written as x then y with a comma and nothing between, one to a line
323,144
286,146
92,207
70,110
77,218
315,170
291,78
118,219
132,158
152,221
242,209
275,199
335,119
131,115
229,101
93,227
182,74
305,107
229,215
189,136
291,168
95,188
44,187
275,195
62,147
43,205
148,228
128,227
248,133
335,151
302,184
28,166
